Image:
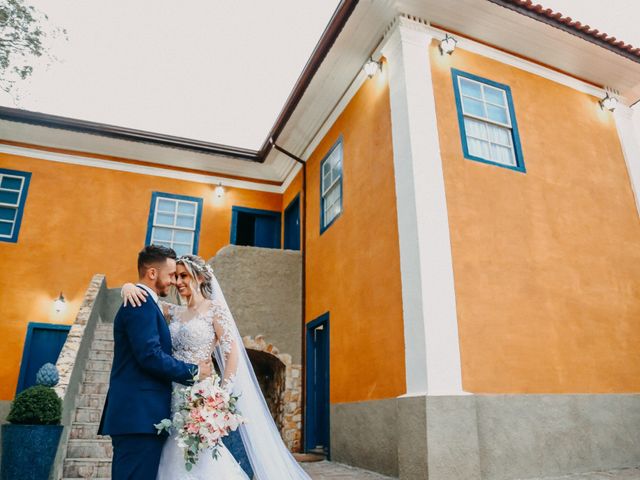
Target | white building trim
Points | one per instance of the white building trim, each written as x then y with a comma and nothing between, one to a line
432,352
134,168
630,147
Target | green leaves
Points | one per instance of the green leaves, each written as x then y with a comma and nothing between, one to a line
38,405
23,32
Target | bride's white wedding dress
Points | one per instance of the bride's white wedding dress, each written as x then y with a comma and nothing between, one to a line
194,335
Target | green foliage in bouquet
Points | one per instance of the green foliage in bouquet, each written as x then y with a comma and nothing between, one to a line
37,405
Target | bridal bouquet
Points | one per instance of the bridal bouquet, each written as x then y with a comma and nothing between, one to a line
207,413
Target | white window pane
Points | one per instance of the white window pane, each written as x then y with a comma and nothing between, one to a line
11,183
183,249
164,219
470,88
8,213
166,205
476,128
335,172
186,221
6,228
326,181
163,234
494,95
163,244
498,114
187,208
499,135
479,148
503,155
183,236
326,167
9,197
473,107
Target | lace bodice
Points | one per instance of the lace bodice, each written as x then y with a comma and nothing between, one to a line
192,339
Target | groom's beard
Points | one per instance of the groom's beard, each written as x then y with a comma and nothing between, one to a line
162,289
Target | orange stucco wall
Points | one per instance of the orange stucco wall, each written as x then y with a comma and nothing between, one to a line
547,263
79,221
353,268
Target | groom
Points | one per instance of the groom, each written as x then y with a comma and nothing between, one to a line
140,385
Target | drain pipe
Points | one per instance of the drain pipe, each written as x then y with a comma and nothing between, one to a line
303,233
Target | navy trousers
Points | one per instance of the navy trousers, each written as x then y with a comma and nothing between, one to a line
136,456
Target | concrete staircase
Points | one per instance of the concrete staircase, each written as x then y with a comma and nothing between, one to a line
89,454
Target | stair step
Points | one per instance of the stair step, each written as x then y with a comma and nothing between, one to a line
93,400
87,467
84,448
87,415
100,334
106,345
94,387
85,431
105,355
98,365
91,376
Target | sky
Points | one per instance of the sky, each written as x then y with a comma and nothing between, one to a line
213,70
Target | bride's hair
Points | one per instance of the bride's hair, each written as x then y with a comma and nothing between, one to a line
201,274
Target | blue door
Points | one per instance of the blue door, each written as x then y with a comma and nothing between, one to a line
317,397
42,345
292,225
255,228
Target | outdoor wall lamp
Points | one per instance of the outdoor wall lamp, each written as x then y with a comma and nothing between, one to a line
219,191
447,45
609,103
371,67
59,303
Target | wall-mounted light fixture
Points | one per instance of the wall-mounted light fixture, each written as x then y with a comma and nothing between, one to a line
609,103
447,45
59,303
371,67
219,190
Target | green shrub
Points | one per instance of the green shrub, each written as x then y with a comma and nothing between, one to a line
37,405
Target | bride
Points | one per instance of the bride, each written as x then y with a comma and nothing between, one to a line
200,328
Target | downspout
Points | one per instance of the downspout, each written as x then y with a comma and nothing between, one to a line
304,276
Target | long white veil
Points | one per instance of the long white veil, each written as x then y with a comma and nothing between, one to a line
269,457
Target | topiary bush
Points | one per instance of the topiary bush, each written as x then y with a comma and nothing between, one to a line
37,405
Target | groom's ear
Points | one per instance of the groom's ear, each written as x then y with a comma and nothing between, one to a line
151,273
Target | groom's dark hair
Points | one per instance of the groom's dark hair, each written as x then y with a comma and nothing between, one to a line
153,254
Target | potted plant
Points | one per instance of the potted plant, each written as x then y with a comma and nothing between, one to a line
30,440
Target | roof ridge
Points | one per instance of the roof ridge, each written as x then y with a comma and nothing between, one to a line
558,18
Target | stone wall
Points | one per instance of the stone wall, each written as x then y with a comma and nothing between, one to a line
263,288
492,437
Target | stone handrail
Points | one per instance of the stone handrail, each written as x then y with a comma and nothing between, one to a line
72,360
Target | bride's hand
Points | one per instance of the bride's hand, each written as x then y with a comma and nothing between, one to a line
133,295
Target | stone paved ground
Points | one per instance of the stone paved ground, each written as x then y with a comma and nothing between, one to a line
336,471
621,474
331,471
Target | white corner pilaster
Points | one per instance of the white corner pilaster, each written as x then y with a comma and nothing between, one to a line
630,146
432,352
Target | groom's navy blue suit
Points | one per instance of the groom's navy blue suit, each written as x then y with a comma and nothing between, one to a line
140,390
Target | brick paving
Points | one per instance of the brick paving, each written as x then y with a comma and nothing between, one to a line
335,471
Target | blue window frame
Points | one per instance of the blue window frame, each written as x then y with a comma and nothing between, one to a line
174,221
331,186
255,228
13,194
487,121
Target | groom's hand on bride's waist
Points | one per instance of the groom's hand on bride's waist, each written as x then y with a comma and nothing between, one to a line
205,369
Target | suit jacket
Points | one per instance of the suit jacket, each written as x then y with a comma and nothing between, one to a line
142,373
